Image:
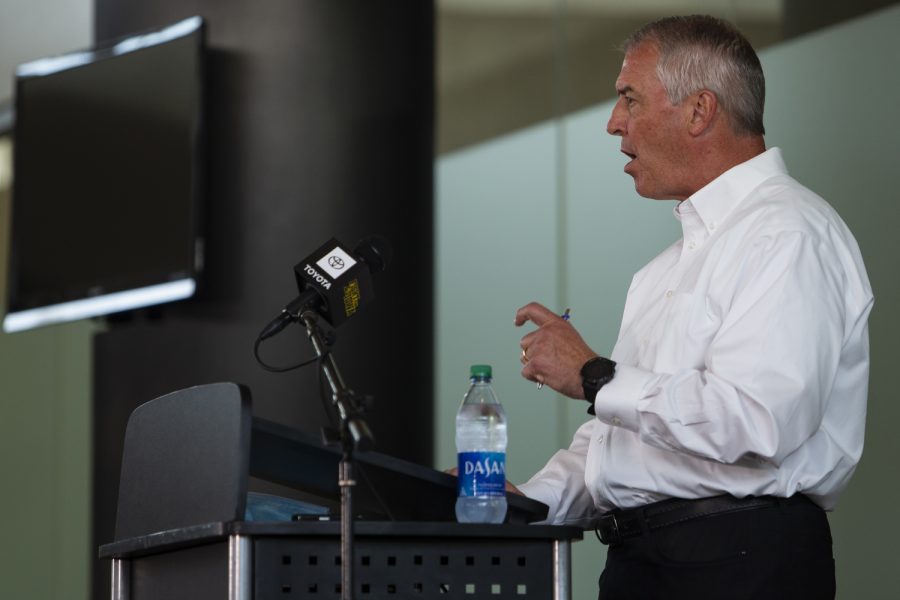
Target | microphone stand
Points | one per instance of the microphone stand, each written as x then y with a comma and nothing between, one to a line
355,435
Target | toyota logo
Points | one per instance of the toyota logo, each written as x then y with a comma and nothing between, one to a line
335,262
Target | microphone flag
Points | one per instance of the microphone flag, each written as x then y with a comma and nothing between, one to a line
343,281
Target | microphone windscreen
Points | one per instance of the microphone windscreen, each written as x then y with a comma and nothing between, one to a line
375,251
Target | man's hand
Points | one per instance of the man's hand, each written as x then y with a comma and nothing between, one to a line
554,353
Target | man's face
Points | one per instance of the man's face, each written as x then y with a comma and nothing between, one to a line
653,131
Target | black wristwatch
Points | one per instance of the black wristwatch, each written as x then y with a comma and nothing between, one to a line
596,373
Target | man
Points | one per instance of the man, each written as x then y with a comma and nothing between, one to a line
731,410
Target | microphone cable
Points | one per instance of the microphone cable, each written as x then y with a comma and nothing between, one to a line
282,369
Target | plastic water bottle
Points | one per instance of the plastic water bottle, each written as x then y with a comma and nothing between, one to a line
481,452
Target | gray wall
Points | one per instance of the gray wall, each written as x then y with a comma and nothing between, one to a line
32,29
44,375
511,227
546,214
834,98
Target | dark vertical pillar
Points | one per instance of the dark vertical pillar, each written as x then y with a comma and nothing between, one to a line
319,124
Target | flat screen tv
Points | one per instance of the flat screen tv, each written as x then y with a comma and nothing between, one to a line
107,178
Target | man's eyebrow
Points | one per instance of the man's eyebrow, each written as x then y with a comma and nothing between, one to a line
624,90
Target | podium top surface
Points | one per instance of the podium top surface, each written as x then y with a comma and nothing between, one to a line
388,488
173,539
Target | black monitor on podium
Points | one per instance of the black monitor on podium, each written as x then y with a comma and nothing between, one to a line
188,456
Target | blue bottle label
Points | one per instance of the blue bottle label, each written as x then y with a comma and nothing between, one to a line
481,474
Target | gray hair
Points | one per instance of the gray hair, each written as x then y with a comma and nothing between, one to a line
701,52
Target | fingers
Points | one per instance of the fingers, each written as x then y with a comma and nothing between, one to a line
531,369
528,340
513,489
534,312
533,343
552,354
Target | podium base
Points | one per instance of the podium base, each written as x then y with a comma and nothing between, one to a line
268,561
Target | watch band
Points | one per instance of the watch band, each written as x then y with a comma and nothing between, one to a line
596,373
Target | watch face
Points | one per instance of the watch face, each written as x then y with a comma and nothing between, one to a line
598,369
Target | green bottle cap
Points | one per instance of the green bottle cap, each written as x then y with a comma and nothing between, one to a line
480,371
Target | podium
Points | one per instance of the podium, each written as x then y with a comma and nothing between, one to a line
181,533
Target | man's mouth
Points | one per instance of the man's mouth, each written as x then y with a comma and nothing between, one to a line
631,162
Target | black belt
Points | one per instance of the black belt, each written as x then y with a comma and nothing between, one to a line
618,525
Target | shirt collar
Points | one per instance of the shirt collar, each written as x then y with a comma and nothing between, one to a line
716,200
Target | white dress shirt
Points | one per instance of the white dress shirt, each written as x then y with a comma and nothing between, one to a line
743,359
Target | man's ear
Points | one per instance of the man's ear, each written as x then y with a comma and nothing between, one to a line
704,107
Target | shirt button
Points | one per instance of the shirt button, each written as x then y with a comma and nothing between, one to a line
691,245
600,439
669,293
616,421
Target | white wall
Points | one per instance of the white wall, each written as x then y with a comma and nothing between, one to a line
547,214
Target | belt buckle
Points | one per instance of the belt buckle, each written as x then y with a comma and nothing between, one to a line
608,530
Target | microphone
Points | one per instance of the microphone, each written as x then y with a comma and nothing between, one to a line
334,282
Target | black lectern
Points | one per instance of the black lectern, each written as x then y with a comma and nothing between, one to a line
181,533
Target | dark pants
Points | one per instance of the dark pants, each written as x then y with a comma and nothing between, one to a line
776,552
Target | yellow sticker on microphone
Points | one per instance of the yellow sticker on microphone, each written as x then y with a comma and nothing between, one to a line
351,297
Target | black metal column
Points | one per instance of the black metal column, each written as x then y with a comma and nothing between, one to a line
320,124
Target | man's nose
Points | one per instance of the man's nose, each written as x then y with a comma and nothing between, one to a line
616,123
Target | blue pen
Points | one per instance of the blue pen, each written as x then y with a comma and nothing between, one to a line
564,317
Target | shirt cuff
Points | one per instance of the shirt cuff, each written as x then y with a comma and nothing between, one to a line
537,490
558,513
616,402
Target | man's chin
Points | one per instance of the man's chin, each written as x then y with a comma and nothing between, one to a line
650,193
640,184
641,188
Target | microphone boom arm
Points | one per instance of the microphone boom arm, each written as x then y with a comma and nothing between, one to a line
355,435
344,400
